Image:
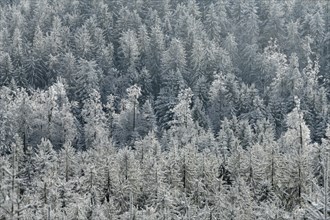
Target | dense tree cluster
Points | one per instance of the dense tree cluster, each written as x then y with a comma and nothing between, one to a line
171,109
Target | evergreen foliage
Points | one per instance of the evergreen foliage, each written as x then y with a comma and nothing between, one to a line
160,109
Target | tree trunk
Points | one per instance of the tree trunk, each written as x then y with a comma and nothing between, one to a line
299,165
13,182
326,187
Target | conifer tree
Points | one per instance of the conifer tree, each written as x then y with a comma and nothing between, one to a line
296,164
95,127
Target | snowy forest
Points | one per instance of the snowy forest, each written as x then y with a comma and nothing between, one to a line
164,109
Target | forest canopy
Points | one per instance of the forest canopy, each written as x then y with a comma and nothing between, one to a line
164,109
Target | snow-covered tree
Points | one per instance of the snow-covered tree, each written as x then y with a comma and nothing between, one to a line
95,127
295,167
126,120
